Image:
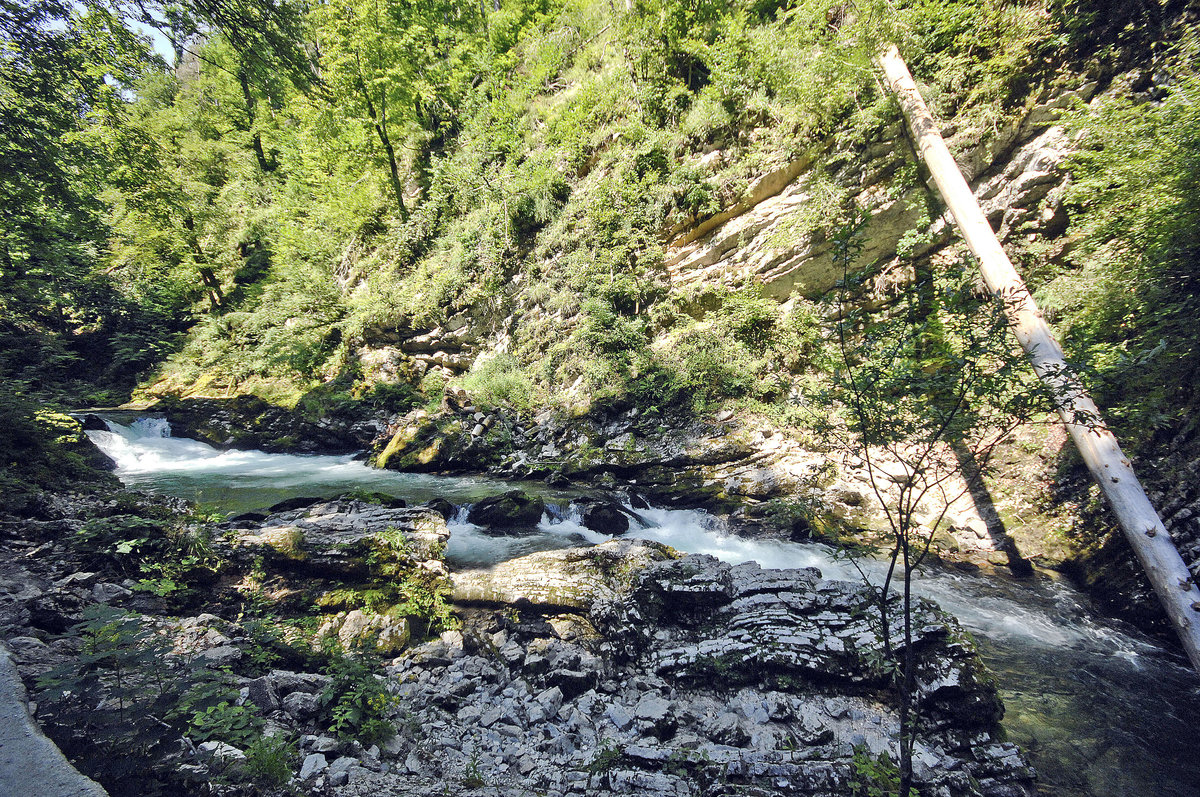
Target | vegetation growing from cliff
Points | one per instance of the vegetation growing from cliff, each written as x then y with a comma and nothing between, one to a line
311,187
1128,302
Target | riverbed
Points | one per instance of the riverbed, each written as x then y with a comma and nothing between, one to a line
1102,710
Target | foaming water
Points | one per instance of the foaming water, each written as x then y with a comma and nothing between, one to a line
1101,710
241,480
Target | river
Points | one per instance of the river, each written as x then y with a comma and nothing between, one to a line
1101,710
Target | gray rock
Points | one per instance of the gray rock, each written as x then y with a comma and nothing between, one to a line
29,762
727,729
491,716
314,764
619,716
219,751
301,705
221,655
107,593
285,682
605,518
568,579
324,744
551,699
652,708
470,714
262,693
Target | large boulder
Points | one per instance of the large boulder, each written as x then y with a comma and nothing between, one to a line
606,517
573,578
341,538
512,509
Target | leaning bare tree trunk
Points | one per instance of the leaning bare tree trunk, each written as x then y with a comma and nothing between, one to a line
1110,468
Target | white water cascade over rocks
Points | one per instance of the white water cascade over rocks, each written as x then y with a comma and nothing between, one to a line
689,671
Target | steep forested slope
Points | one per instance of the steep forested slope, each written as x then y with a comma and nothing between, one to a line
577,205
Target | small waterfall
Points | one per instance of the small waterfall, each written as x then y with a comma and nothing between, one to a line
147,427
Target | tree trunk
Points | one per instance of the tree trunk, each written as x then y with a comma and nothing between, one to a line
265,165
380,122
207,275
1097,445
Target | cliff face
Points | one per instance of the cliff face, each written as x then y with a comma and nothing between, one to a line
751,462
740,457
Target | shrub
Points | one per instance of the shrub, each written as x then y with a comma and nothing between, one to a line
1128,304
106,707
500,381
269,760
357,702
699,368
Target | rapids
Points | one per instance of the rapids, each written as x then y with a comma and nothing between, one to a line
1102,710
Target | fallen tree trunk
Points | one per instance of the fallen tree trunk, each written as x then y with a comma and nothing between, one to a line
1109,467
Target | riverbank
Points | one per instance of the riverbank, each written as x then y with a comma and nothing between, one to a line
634,688
1026,626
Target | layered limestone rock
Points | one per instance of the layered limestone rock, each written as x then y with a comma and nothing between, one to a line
571,580
249,422
767,239
642,673
337,537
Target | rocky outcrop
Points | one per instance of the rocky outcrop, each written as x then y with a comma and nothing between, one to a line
775,235
337,538
249,422
601,670
399,354
664,676
570,580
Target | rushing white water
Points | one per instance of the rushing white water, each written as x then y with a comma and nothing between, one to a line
237,481
1103,711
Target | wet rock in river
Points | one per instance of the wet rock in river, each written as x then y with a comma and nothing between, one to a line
443,507
249,422
298,502
605,517
93,423
512,509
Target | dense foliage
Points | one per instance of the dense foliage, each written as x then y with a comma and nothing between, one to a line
1128,302
313,181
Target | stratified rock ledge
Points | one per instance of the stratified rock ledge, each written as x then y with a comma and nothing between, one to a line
621,669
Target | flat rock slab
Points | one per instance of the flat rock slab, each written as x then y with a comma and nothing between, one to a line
572,579
29,762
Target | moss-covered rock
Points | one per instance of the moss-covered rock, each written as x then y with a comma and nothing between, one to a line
513,509
248,422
